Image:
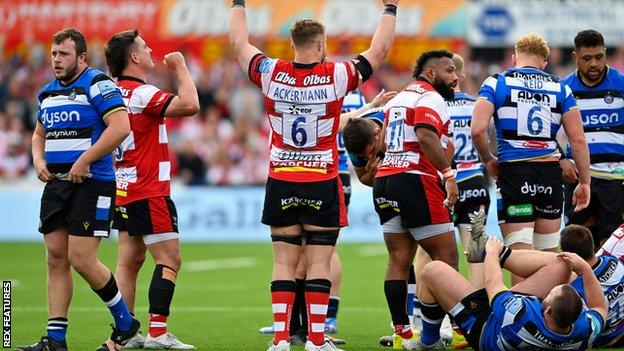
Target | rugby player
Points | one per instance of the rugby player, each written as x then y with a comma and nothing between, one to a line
81,119
614,245
145,215
529,106
407,189
599,93
303,101
542,312
474,196
609,271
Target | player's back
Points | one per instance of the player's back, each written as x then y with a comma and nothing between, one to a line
466,157
418,105
610,273
528,106
142,160
517,323
602,113
303,103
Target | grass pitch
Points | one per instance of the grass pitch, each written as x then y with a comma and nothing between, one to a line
221,299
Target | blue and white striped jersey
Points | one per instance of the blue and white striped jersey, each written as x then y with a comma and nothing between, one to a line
466,157
528,105
610,273
602,111
72,117
517,323
352,101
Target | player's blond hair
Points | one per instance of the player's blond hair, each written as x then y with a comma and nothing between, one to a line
532,44
459,63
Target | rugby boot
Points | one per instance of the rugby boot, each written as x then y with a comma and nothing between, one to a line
45,344
327,346
119,339
136,342
281,346
166,341
478,239
416,344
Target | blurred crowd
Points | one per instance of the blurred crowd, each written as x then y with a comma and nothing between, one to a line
226,143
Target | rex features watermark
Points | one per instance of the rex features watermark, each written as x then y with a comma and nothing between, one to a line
6,314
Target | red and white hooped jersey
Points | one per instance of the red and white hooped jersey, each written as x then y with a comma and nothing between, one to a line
418,105
142,160
303,103
614,245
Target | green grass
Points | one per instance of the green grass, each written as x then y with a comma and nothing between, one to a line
215,309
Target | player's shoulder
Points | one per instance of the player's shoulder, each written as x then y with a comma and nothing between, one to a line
571,79
52,85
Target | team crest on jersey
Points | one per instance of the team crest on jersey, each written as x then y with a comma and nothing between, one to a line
608,98
72,95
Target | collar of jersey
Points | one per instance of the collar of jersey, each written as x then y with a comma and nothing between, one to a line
75,79
304,65
120,78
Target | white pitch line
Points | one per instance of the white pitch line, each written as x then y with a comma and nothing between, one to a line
221,263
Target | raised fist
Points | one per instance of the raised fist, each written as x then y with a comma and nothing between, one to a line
174,60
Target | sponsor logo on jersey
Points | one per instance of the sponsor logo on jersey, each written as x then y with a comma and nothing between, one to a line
532,144
50,118
264,66
314,80
535,189
600,119
617,291
608,272
285,78
107,87
520,210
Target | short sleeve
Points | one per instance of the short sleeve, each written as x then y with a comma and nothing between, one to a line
353,76
346,77
154,100
260,66
105,96
488,89
426,114
569,102
596,324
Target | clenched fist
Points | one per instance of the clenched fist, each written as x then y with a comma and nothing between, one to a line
174,60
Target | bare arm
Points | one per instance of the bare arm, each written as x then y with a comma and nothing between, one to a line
239,37
481,116
432,148
492,272
186,103
594,296
378,101
118,128
366,175
38,155
382,39
573,127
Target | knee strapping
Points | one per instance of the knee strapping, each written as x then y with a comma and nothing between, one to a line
546,241
522,236
327,238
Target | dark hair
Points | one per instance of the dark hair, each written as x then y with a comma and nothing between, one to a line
357,135
425,57
588,38
577,239
566,307
74,35
117,50
305,31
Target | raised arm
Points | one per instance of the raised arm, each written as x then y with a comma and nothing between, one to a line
383,37
378,101
239,34
186,103
594,295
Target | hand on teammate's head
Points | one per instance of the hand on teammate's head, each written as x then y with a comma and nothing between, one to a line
174,60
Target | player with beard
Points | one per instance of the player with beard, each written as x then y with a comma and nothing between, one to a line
529,106
81,119
409,185
599,93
